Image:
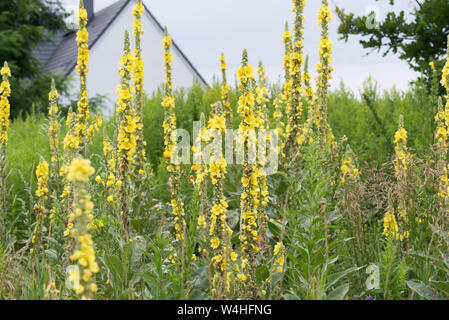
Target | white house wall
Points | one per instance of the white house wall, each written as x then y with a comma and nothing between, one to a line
103,77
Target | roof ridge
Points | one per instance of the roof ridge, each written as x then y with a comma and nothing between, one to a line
176,46
64,58
112,4
125,3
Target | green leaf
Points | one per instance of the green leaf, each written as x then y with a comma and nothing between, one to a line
442,286
262,273
423,291
336,277
51,254
139,224
235,238
274,227
115,266
290,296
339,293
198,295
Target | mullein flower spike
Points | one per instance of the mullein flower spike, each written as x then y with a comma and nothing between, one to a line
250,198
138,73
169,126
323,68
126,139
5,93
82,275
219,231
295,63
225,89
82,66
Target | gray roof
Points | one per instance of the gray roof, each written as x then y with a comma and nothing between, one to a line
45,49
60,55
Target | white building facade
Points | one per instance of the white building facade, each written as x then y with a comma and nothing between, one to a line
106,40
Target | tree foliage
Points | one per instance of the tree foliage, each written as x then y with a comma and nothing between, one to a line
23,24
418,40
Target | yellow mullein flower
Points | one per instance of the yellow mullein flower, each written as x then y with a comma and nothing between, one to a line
214,243
53,129
82,66
250,198
219,230
324,15
126,140
84,252
295,82
80,170
138,72
402,162
225,88
259,180
5,92
390,225
324,71
169,126
42,180
42,174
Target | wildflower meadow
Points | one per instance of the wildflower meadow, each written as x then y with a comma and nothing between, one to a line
253,191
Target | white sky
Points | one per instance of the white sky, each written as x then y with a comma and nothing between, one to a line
205,28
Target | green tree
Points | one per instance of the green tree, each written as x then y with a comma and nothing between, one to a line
23,24
418,40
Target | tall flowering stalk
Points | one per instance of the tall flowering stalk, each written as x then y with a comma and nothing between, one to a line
278,117
294,110
93,128
312,115
391,228
201,170
278,265
309,91
169,126
261,107
5,92
82,275
53,134
53,139
401,165
287,89
126,142
174,169
350,191
174,180
138,73
39,207
71,142
110,157
71,145
219,231
435,86
249,200
441,144
82,67
262,95
225,88
323,68
281,103
441,136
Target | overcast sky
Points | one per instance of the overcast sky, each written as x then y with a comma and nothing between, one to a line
205,28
